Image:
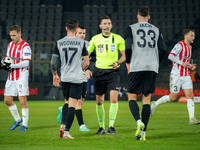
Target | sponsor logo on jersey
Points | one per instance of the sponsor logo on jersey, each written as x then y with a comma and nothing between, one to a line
100,48
112,48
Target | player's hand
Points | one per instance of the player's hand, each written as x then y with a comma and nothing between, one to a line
88,73
185,64
193,66
6,66
56,81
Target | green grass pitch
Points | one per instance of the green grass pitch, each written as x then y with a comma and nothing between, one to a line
168,129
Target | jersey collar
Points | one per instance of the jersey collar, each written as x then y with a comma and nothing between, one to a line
106,36
185,43
22,42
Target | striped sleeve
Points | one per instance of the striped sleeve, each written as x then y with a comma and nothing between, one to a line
26,52
176,50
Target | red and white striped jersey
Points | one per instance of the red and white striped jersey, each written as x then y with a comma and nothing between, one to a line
19,53
183,53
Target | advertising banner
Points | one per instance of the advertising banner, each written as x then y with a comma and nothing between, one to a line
36,91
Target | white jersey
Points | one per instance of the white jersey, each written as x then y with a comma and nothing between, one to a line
183,53
19,53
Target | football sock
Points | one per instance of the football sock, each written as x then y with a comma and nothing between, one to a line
190,107
25,115
101,115
162,100
79,116
14,112
64,113
69,118
134,109
144,133
138,121
82,125
113,113
145,115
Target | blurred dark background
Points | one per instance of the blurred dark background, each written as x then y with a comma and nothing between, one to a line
43,22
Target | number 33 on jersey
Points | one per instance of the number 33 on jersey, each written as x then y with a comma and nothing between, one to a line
145,43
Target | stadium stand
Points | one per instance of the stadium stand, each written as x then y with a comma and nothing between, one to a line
44,20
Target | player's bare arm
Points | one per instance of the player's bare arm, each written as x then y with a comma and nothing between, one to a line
122,58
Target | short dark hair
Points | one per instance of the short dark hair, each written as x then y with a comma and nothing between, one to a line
186,31
72,24
143,11
104,17
81,27
16,28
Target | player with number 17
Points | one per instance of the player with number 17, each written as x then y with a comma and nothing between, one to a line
71,50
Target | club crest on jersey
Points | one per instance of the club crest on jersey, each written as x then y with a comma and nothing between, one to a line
112,48
100,48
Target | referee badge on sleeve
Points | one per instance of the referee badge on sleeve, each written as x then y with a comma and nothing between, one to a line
112,48
100,48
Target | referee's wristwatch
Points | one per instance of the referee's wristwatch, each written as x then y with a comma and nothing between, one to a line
117,63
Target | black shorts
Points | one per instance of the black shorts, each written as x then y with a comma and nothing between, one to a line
72,90
106,78
84,90
141,82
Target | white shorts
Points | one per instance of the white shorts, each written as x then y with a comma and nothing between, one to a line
18,87
177,82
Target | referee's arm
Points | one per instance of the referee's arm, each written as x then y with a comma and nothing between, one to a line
91,46
122,58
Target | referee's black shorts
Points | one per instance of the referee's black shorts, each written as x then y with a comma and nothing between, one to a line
141,82
106,78
73,90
